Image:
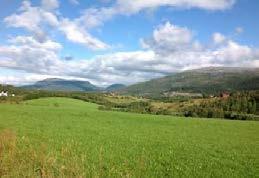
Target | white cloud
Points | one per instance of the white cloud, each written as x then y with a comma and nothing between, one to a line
50,4
39,20
50,18
105,1
239,30
218,38
93,17
138,5
74,2
168,38
170,48
33,19
27,54
29,18
23,78
176,47
32,43
77,34
171,34
234,53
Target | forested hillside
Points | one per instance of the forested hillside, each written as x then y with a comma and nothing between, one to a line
204,81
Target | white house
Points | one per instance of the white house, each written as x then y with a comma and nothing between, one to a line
4,93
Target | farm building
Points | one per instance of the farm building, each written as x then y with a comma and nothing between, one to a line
4,93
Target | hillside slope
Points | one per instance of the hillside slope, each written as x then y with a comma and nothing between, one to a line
205,80
63,85
115,87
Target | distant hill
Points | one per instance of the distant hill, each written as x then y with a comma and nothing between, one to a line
115,87
56,84
205,80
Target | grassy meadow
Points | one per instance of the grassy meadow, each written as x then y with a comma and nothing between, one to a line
60,137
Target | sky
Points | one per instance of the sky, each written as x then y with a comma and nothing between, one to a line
123,41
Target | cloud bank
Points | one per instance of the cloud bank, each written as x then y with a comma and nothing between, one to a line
170,48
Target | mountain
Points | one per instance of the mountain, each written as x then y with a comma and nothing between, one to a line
210,80
115,87
57,84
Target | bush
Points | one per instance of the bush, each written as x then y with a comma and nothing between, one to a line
240,116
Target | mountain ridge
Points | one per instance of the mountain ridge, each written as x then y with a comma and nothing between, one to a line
209,80
114,87
203,80
58,84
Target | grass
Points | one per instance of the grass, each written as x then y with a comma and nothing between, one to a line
123,99
59,137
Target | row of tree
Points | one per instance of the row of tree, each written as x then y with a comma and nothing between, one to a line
239,105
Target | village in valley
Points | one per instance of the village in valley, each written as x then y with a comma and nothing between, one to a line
4,91
6,94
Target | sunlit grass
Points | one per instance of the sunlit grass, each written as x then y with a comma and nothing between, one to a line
59,137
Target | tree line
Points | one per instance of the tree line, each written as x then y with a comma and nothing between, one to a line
238,106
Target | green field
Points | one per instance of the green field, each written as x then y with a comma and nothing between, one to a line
59,137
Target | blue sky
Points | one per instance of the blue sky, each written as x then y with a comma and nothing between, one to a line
123,41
